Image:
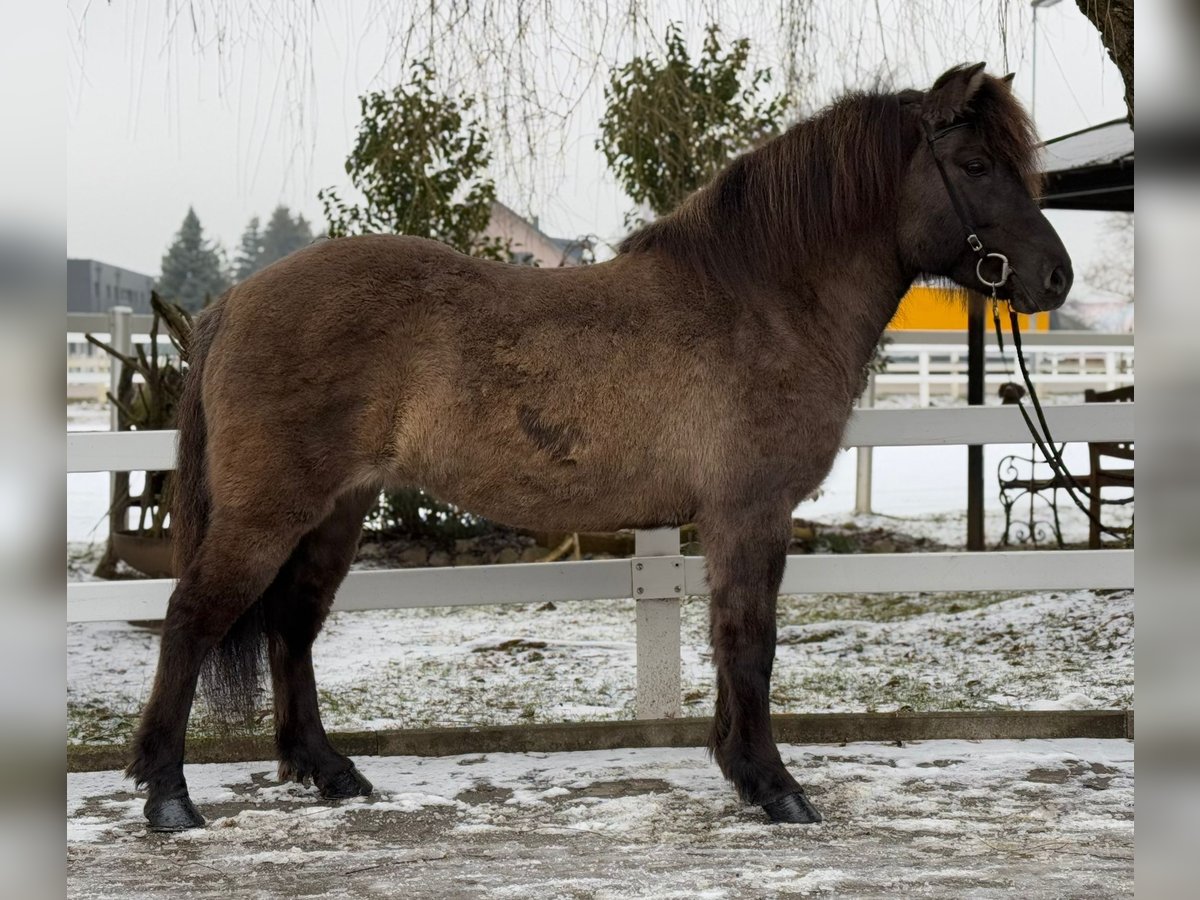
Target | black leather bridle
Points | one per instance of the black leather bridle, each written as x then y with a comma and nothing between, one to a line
1043,439
960,210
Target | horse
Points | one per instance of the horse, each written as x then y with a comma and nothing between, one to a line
704,374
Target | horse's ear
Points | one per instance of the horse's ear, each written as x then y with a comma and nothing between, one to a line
951,94
1007,80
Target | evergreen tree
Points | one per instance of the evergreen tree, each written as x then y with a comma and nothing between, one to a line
193,268
260,247
420,162
246,263
283,235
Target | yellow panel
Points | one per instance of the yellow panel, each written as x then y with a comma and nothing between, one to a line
938,309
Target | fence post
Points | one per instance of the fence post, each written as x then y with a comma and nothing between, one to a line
1110,370
658,691
976,386
862,485
120,338
923,369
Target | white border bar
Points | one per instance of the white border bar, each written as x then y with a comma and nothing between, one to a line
120,451
907,337
100,601
880,573
985,425
108,451
140,324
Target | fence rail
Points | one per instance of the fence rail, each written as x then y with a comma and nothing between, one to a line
926,360
139,324
944,338
613,579
119,451
83,323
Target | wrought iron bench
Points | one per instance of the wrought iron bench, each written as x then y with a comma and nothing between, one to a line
1031,477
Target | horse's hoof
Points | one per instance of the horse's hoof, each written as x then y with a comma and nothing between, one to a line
347,783
795,809
173,814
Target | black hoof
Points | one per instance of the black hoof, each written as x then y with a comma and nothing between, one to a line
347,783
794,809
173,814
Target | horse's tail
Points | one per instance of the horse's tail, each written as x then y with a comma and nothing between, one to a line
231,670
192,502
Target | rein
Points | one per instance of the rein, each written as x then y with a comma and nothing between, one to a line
1043,438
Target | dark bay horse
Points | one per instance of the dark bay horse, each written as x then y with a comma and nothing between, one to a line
704,374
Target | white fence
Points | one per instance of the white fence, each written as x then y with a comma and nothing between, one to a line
1059,361
658,576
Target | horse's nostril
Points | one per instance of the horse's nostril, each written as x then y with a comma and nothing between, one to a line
1056,281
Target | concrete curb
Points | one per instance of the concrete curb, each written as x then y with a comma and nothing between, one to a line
817,728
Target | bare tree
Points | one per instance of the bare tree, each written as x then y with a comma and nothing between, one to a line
536,65
1113,269
1114,20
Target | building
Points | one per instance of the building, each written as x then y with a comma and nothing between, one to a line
930,308
96,287
1090,169
530,246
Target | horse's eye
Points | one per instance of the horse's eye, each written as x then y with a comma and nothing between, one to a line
976,167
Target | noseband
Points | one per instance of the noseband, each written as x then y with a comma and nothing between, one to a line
960,210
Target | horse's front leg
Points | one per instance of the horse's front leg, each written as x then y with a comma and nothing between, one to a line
746,550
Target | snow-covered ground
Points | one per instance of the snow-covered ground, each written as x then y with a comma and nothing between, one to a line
1031,819
514,664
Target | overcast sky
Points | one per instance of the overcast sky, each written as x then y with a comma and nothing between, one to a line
159,120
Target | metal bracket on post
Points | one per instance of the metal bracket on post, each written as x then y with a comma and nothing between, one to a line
658,577
657,583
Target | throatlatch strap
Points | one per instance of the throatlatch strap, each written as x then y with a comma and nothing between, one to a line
931,136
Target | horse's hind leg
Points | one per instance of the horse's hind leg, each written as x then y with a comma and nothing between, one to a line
746,551
237,560
296,605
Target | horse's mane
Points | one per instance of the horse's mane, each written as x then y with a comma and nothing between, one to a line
834,174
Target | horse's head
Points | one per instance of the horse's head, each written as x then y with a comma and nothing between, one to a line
972,125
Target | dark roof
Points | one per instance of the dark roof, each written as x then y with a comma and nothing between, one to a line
1090,169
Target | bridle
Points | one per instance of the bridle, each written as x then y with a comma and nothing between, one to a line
960,210
1043,439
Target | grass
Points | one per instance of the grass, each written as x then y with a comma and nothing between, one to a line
810,609
838,652
93,722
